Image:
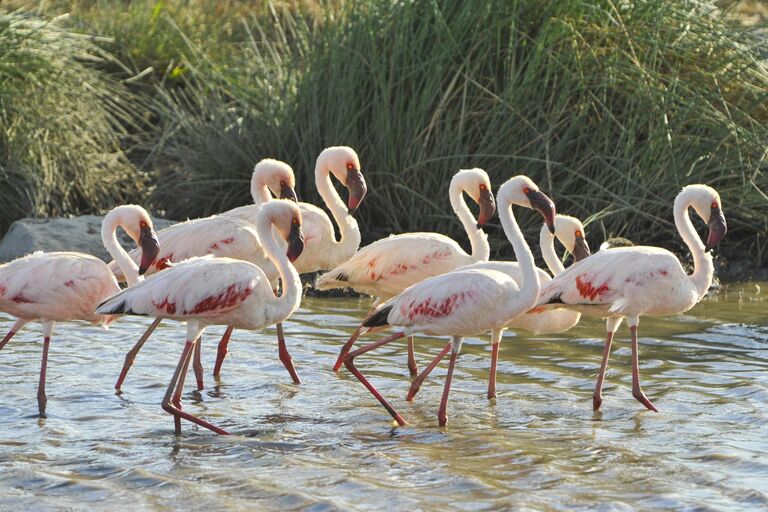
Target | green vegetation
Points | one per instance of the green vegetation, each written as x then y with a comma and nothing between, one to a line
610,106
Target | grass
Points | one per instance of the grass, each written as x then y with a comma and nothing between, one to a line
611,107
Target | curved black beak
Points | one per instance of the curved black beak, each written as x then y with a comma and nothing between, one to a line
545,206
287,192
150,248
487,207
357,188
717,228
295,241
580,249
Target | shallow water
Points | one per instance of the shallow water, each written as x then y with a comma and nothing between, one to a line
327,444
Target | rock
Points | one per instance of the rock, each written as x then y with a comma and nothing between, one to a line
82,234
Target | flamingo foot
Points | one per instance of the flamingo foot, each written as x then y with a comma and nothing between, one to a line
178,414
640,397
442,417
597,401
42,401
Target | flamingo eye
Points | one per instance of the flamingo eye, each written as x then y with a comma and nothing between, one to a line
282,183
295,221
526,190
143,224
483,187
715,205
350,166
578,233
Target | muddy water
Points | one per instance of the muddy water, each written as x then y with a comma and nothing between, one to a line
327,444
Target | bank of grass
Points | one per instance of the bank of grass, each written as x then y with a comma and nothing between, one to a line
612,107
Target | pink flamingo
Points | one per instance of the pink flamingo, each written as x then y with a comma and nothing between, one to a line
630,282
464,302
60,286
207,291
390,265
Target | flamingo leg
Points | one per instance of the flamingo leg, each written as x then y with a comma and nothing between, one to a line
349,362
637,391
197,365
221,351
611,325
495,340
172,401
285,357
346,348
42,400
131,355
417,382
442,413
413,368
17,325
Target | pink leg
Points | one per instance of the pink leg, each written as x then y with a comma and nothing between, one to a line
197,365
172,401
7,338
417,382
221,352
349,362
347,346
285,357
637,392
442,416
597,397
42,400
495,340
413,368
131,355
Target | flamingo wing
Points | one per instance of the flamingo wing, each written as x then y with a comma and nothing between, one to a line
198,287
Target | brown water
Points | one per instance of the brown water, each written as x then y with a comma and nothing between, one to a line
327,444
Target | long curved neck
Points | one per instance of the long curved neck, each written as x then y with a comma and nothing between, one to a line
259,193
703,268
348,229
290,298
124,261
478,240
530,285
547,244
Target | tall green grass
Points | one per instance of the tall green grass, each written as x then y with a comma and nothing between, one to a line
63,124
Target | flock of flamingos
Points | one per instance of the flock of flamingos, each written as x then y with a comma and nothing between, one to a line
241,269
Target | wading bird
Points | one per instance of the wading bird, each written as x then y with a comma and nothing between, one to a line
630,282
60,286
464,302
207,291
390,265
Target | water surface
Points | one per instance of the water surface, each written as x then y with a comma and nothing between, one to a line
327,444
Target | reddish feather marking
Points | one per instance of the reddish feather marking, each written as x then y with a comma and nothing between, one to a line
170,307
587,290
164,262
229,240
437,255
401,268
663,272
227,298
3,289
20,299
215,245
70,284
438,309
539,309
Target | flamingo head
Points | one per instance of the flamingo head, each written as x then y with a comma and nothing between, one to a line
570,231
136,222
522,191
286,217
706,203
277,176
343,163
476,184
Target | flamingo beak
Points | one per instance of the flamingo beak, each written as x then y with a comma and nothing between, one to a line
545,206
717,228
487,207
356,186
295,241
287,192
150,248
580,249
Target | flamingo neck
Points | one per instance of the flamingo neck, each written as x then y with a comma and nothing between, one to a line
349,231
109,238
703,268
547,244
478,240
259,192
290,298
530,284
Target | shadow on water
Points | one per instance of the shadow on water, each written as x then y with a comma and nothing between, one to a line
327,444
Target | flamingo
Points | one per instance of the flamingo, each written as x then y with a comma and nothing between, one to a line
390,265
464,302
570,232
630,282
205,291
60,286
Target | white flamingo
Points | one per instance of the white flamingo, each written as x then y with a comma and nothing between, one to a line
570,232
630,282
464,302
219,291
390,265
61,286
